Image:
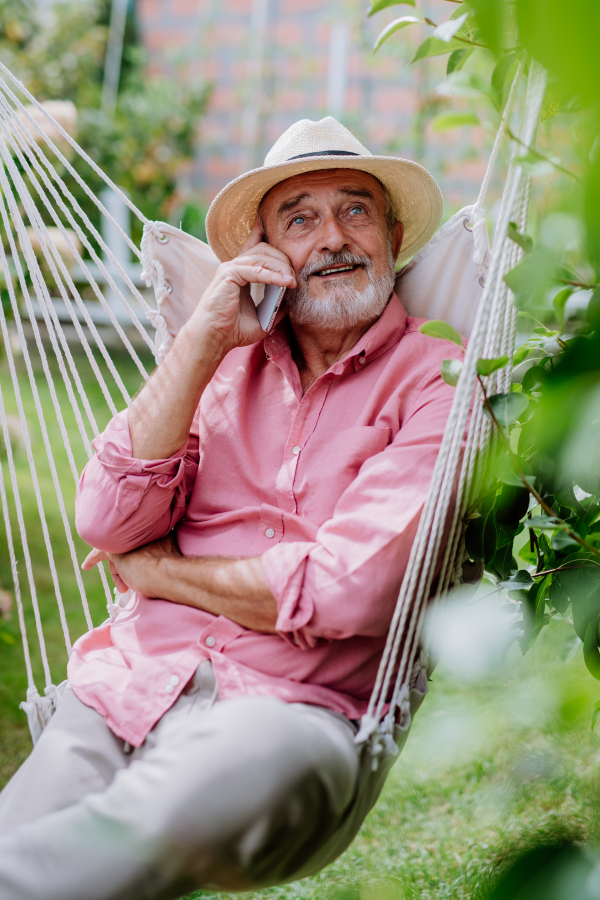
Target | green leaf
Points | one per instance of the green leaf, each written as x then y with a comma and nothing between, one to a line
541,592
562,540
558,598
437,328
394,26
534,378
457,59
564,38
518,581
591,653
595,714
450,371
480,536
503,75
489,15
521,354
433,47
487,366
512,504
523,240
559,302
466,84
593,310
447,30
532,277
507,408
447,120
506,471
384,4
543,523
503,561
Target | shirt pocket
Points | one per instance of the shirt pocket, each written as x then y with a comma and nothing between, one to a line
340,464
130,493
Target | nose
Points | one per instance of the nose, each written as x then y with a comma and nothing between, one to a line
331,236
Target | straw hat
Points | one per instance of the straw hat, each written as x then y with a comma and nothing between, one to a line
306,147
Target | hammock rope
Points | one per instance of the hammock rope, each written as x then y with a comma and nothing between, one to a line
494,327
31,188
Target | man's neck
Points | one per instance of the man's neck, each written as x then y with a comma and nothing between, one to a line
316,349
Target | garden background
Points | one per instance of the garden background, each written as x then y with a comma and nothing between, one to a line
503,756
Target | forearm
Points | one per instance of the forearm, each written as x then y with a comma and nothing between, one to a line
235,588
161,415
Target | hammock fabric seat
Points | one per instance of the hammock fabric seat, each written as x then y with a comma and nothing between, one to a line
456,278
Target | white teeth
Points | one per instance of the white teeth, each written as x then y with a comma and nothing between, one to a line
337,269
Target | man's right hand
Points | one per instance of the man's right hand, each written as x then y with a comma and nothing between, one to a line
226,312
161,415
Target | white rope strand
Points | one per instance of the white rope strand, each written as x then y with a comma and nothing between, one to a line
24,240
13,559
34,152
21,520
78,150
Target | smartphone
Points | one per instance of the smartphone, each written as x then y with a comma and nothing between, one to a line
268,307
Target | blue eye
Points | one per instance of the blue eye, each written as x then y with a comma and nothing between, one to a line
299,220
356,209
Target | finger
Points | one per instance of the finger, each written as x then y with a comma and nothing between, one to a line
266,250
253,274
255,237
275,264
93,559
119,583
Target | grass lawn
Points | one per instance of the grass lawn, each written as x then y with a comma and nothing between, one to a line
489,761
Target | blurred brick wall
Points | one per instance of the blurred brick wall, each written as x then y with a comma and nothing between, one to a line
258,92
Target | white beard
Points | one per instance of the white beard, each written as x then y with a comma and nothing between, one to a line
344,306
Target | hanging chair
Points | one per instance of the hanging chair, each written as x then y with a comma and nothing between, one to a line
456,278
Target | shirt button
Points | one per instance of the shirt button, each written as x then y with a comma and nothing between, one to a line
296,450
210,641
170,688
174,680
361,360
270,532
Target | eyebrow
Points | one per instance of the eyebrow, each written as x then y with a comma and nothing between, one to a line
287,205
365,193
292,202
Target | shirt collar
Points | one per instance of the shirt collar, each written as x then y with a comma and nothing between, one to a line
384,333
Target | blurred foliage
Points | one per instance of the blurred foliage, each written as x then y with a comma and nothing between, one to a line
536,522
58,51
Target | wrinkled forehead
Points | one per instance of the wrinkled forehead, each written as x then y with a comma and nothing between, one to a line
322,185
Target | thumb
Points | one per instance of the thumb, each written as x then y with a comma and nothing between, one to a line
93,558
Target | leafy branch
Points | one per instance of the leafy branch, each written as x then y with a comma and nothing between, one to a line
560,523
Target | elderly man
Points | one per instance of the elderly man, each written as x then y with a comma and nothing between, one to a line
260,497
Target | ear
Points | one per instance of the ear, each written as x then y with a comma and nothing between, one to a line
396,239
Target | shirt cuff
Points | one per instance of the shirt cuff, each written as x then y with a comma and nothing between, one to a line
284,567
113,449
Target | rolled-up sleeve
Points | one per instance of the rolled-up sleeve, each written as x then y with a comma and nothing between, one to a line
346,582
123,502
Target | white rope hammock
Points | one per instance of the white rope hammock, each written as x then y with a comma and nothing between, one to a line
33,191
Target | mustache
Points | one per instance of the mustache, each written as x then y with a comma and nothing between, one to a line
339,258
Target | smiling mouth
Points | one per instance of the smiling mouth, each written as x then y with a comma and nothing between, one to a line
332,271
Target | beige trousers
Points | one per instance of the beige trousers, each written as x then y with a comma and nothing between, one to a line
235,794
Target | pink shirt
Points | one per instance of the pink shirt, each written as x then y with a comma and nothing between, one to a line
327,488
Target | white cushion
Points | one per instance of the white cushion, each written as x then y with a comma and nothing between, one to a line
442,281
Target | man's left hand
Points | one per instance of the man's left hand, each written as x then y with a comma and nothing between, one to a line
138,569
